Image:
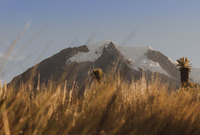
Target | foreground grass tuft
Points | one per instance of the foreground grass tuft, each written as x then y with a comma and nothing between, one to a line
113,107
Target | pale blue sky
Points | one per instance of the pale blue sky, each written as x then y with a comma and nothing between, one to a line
169,26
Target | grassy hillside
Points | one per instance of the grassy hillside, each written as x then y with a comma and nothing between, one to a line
113,107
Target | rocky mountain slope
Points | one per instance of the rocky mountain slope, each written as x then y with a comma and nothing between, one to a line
75,65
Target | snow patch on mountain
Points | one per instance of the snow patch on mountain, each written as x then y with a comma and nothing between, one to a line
95,51
136,56
138,59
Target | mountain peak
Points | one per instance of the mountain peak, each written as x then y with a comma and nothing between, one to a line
74,64
95,51
136,56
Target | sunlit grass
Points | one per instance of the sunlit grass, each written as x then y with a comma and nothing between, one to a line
112,107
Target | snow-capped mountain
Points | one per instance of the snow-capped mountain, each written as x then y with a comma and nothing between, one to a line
76,64
135,55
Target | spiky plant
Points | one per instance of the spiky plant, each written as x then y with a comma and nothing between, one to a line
184,68
97,73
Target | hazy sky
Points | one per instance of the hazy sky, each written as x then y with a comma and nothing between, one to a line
169,26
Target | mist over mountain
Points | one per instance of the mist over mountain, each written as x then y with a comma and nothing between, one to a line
76,64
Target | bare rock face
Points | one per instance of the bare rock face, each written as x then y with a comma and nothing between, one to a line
59,68
164,62
55,68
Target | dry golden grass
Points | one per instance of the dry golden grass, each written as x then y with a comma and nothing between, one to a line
113,107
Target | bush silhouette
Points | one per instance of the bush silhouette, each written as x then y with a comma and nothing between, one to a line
97,73
184,68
